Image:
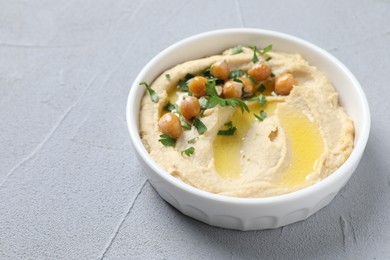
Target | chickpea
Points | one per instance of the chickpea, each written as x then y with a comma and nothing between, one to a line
260,71
189,107
284,84
220,69
249,87
197,86
170,124
232,89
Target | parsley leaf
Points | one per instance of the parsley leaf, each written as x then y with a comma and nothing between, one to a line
254,81
188,151
237,80
230,131
193,140
208,70
266,49
215,100
262,115
235,74
183,83
166,140
200,127
152,93
203,103
169,107
262,53
234,102
184,122
210,88
237,49
261,99
261,88
168,77
255,51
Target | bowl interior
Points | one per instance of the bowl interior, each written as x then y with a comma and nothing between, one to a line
350,93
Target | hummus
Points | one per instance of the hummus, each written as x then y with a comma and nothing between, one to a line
295,141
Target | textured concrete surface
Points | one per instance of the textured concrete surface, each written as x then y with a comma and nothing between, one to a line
70,185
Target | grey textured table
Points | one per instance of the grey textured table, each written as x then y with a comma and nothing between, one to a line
70,185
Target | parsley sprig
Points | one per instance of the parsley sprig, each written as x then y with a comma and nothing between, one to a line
152,93
262,52
214,99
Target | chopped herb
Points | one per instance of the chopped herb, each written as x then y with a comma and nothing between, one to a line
237,49
262,115
200,127
166,140
188,151
261,88
210,88
183,83
272,74
262,52
234,102
168,77
266,49
169,107
207,72
184,123
152,93
254,81
214,99
261,99
231,102
235,74
230,131
203,103
193,140
237,80
255,51
268,59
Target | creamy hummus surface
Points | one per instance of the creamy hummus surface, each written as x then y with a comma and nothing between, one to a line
296,139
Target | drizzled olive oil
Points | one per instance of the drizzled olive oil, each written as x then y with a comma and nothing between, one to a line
227,148
306,146
303,137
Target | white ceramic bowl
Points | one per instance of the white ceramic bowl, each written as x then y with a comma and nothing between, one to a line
250,213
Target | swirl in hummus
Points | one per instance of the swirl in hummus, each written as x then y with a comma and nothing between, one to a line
248,135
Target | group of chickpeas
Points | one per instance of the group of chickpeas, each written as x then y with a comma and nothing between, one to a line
170,124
